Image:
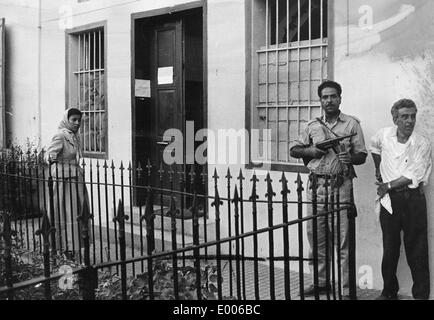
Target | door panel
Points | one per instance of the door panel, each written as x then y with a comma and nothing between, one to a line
167,99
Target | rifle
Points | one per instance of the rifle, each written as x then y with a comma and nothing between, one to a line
328,144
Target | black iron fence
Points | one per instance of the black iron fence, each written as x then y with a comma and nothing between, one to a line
144,224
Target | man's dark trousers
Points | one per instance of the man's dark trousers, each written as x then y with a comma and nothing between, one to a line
409,215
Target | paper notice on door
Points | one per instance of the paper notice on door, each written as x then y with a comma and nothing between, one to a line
143,88
165,75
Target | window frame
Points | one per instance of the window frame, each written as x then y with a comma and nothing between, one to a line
252,78
69,72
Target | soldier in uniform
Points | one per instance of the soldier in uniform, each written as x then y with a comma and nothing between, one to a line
327,164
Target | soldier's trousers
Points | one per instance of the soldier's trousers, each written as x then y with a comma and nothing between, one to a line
336,226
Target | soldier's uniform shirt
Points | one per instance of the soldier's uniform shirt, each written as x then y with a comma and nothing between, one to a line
315,133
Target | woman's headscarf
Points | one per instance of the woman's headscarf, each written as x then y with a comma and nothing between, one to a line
65,125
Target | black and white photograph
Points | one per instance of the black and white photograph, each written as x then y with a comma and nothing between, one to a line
219,155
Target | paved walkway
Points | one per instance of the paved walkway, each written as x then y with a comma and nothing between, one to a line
264,284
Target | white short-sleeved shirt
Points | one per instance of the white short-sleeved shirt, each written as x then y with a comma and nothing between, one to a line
411,160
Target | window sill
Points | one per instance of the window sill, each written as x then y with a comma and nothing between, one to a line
91,155
294,168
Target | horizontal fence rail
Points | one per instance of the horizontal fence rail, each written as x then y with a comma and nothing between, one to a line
175,232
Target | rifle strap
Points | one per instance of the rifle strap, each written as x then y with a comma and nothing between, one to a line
326,126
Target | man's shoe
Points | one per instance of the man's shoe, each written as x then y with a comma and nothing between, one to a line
311,290
387,297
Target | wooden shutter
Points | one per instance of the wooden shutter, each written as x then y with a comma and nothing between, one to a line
2,86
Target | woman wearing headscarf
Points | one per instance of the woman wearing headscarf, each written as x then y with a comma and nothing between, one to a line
64,153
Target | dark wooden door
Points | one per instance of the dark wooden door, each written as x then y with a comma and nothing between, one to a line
168,59
167,101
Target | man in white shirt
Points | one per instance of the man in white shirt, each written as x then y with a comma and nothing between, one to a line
403,165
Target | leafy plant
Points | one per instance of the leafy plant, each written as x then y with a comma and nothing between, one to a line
163,284
29,265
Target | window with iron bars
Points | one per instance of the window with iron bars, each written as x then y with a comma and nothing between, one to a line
289,61
87,89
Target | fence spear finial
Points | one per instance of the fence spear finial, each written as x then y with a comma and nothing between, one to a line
161,171
46,228
139,170
120,213
85,214
228,175
215,176
149,167
217,201
284,182
173,211
270,193
240,176
254,179
299,183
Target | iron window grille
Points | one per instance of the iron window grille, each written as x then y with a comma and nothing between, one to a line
87,90
290,43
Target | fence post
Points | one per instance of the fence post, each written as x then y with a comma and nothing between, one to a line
338,240
45,231
314,188
254,197
182,186
300,190
217,203
236,202
161,179
139,172
352,215
269,195
285,191
112,168
32,204
89,276
106,198
7,236
120,219
196,243
333,182
241,179
51,204
59,236
326,186
131,191
204,176
228,179
149,217
172,214
92,221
